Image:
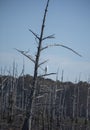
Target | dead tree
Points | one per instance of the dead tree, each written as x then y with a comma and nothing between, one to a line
3,96
12,94
74,103
39,38
87,105
77,104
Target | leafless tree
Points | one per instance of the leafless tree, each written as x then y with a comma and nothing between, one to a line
39,38
87,104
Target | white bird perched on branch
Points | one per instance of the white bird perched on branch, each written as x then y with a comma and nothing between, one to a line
46,69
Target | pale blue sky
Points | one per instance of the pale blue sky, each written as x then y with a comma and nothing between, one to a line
69,20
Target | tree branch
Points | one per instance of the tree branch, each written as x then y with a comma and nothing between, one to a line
34,34
42,63
48,37
62,46
46,74
28,56
44,48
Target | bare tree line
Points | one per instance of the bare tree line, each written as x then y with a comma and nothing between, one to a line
54,103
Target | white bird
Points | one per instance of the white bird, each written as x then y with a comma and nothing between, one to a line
46,69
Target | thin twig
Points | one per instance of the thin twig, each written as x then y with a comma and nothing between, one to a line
34,34
48,37
42,63
28,56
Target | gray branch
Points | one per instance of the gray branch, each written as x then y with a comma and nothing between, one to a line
46,74
34,34
42,63
28,56
53,45
48,37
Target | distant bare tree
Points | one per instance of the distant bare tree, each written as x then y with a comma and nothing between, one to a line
87,104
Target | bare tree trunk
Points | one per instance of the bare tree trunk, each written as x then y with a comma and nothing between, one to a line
32,94
87,104
77,114
73,112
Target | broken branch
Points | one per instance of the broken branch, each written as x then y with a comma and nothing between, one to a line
28,56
